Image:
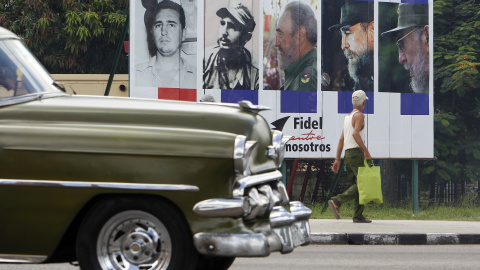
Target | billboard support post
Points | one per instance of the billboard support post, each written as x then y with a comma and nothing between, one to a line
292,177
117,56
284,172
415,185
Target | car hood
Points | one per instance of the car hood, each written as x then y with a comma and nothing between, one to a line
139,126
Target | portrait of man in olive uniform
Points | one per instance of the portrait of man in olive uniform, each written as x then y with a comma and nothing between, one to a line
296,41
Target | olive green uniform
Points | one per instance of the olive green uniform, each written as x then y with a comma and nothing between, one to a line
354,158
301,75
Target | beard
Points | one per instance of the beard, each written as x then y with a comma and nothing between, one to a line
286,57
230,50
420,73
228,45
285,60
360,68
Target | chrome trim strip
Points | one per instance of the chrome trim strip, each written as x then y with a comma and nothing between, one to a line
275,148
300,211
254,180
236,245
30,97
101,185
244,105
223,208
9,258
283,193
239,154
248,106
280,217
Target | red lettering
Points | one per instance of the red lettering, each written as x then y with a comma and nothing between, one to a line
308,137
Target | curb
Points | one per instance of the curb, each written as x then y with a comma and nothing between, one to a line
394,239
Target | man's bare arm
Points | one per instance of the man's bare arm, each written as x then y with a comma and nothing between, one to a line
336,164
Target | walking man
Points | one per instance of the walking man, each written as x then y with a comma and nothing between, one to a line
353,140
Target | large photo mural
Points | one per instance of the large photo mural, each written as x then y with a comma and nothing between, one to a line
301,58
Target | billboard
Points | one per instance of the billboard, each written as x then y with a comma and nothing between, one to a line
301,58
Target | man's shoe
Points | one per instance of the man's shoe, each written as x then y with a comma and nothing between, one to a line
334,209
362,220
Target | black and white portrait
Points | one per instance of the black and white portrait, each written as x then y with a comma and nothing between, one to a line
165,44
229,63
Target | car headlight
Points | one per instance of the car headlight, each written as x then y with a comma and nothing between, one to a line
276,151
241,154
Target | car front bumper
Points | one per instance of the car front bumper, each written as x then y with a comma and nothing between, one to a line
287,230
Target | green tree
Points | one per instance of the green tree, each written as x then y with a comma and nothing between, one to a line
457,82
69,36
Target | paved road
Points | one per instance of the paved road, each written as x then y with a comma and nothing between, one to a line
63,266
331,257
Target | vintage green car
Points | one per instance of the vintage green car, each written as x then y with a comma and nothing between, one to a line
123,183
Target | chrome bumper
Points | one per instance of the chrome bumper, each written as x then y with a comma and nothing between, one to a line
288,230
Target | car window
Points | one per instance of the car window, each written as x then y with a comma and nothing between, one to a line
20,72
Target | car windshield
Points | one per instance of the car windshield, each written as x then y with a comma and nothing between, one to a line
20,72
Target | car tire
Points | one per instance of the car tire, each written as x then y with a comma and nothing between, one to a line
214,262
145,234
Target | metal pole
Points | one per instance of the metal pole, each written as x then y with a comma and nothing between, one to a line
117,57
305,180
292,177
415,192
283,169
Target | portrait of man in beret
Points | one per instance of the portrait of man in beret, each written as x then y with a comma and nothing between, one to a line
229,64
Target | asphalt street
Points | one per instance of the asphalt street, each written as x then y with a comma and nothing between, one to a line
331,257
368,257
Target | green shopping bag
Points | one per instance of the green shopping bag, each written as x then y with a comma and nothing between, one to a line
369,184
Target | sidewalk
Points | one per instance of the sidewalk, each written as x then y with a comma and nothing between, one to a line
394,232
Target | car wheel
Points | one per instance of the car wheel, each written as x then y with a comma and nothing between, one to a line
135,234
214,263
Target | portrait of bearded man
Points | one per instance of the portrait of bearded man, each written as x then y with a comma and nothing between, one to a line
357,31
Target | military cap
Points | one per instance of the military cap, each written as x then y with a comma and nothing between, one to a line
409,15
240,13
354,12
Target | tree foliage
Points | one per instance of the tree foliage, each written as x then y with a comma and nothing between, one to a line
69,36
457,82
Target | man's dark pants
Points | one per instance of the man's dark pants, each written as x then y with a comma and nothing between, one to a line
354,158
